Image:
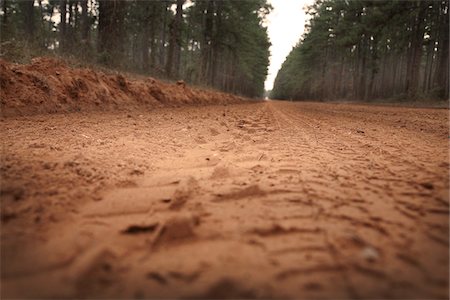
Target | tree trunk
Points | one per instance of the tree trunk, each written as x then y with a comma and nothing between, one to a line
63,25
27,10
179,22
162,48
110,31
428,65
441,73
362,77
412,82
393,83
145,7
207,40
373,69
173,54
215,47
70,27
144,51
5,12
323,93
84,22
152,37
5,31
382,85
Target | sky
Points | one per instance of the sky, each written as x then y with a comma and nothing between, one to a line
286,24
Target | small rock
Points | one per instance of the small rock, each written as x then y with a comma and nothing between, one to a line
370,254
177,228
214,131
183,193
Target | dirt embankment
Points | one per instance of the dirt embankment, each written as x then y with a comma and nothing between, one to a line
48,85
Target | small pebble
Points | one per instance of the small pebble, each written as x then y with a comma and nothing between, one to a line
370,254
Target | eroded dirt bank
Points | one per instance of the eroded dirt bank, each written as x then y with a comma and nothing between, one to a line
48,85
260,200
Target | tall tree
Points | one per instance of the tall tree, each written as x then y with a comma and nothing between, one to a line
173,55
111,35
367,50
63,25
27,9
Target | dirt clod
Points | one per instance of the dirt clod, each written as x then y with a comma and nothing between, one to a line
176,229
136,229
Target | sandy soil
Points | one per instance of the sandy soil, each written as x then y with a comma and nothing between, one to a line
253,200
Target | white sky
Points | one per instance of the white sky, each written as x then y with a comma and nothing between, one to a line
286,24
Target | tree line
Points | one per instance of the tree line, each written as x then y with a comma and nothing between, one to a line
216,43
369,50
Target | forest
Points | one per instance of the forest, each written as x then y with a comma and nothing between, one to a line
218,44
369,50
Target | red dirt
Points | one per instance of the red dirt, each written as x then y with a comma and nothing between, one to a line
251,200
48,85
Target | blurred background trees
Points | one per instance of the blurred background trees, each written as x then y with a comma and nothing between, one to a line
221,44
369,50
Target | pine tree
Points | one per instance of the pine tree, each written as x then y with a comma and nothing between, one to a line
367,50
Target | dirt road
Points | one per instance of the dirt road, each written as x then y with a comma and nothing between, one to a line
256,200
